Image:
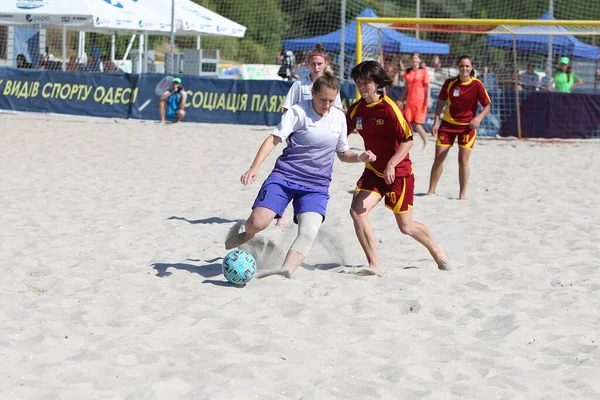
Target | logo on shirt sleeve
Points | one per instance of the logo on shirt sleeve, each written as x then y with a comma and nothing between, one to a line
359,123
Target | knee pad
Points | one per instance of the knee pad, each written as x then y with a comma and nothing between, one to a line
308,227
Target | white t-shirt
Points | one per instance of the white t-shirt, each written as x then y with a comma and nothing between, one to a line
313,142
302,90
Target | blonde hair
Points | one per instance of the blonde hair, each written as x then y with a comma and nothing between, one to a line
326,80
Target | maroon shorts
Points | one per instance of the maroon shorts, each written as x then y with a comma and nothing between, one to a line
449,132
399,196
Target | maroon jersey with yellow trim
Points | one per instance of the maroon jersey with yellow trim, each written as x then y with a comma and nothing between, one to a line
383,128
462,99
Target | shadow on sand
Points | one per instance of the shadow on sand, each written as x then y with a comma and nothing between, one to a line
211,220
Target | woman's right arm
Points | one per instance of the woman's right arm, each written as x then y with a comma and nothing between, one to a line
165,95
436,117
263,152
294,95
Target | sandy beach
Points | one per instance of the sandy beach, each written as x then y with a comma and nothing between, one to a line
112,236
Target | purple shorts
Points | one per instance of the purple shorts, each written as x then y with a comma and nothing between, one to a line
276,193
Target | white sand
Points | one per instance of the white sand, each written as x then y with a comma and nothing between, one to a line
111,241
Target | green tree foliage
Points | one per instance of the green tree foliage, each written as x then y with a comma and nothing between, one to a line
319,17
265,22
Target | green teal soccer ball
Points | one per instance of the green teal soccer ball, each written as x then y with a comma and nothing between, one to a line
239,267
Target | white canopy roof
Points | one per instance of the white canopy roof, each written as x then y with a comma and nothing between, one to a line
192,19
89,15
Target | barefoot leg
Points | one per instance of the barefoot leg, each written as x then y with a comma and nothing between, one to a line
423,134
362,204
161,111
260,219
421,234
437,168
464,154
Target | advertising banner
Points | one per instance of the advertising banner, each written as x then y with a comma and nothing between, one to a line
97,95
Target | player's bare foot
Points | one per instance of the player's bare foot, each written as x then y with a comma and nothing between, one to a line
286,274
280,223
444,265
280,272
424,148
441,259
371,271
462,197
233,236
429,194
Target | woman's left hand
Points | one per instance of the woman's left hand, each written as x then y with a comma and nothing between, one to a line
389,175
474,123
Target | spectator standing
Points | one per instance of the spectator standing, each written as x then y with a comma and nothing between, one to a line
417,94
564,79
390,64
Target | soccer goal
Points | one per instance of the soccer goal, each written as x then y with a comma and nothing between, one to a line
523,64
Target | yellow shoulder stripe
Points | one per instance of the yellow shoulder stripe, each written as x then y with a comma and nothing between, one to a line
484,89
405,126
354,107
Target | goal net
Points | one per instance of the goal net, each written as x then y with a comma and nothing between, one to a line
517,61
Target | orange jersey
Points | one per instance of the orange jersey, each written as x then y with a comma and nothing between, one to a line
417,80
383,128
462,99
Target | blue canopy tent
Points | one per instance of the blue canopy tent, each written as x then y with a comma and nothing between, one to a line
527,40
392,40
